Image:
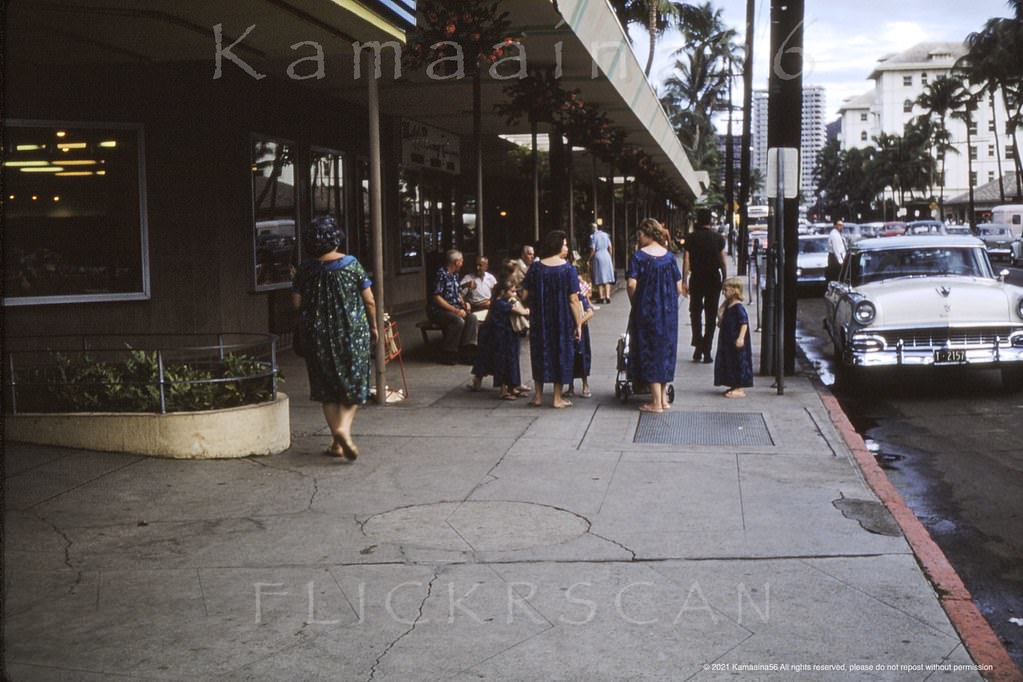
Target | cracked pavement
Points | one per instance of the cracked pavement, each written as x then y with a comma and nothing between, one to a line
473,538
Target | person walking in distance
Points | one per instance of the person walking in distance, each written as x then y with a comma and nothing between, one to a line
836,250
602,272
703,270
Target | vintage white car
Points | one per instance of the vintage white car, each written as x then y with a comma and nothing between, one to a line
924,301
812,260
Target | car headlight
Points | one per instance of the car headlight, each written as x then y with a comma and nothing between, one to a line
864,312
799,272
1019,308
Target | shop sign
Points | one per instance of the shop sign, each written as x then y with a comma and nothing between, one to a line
423,146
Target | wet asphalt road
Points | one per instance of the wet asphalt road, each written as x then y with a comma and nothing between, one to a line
952,443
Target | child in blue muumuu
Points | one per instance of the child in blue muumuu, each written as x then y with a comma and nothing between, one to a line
733,364
583,350
498,349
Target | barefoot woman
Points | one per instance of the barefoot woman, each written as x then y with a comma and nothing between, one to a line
654,285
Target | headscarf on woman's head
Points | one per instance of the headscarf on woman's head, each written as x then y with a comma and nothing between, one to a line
323,235
654,230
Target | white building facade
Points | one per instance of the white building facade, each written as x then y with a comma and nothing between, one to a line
899,79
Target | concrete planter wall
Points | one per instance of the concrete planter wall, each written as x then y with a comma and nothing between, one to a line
262,429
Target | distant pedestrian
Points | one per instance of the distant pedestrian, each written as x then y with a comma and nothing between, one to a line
733,365
498,351
654,285
836,250
703,270
551,290
338,325
601,262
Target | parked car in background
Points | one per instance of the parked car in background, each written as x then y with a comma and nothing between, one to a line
958,230
892,229
812,261
924,301
997,240
1016,257
925,227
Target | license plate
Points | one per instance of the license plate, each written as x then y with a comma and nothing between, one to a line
950,356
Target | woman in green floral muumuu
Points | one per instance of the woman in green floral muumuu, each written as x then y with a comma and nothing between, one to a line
338,327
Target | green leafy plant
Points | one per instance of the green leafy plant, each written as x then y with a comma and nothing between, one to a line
82,383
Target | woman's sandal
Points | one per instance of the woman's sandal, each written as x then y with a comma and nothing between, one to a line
734,393
348,448
509,396
586,394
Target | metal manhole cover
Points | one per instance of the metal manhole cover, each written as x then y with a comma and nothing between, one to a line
703,428
476,525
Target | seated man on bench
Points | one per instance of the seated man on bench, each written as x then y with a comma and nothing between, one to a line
476,286
452,313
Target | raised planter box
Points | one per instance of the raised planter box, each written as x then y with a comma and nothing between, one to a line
261,429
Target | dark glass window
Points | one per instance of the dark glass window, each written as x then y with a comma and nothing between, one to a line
326,184
275,212
411,217
75,214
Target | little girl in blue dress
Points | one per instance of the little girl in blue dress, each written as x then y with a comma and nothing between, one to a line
733,364
498,350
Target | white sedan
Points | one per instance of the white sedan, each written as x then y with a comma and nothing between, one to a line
924,301
812,260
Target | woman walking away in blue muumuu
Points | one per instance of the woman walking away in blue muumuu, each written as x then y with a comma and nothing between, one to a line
654,285
733,364
338,325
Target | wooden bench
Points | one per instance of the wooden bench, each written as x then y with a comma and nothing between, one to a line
428,326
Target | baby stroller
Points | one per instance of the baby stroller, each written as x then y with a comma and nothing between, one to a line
623,386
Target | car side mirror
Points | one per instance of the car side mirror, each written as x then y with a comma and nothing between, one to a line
1003,274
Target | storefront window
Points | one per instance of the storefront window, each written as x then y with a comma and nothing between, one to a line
364,247
411,213
275,211
326,187
75,214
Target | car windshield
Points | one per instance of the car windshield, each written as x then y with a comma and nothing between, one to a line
813,245
994,231
872,266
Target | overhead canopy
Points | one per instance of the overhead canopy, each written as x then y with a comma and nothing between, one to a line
270,36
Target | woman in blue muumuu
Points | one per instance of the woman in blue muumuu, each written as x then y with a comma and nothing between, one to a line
654,285
551,289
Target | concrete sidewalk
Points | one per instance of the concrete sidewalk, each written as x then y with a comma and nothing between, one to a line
479,538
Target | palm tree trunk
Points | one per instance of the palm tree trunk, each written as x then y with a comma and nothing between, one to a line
998,150
652,30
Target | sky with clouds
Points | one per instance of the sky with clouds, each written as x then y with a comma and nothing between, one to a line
842,40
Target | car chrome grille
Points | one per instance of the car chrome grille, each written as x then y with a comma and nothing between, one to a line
957,337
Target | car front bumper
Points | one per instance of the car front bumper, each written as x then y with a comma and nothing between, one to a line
878,348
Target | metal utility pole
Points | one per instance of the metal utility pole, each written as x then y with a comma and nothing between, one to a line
477,136
376,218
730,169
744,164
784,124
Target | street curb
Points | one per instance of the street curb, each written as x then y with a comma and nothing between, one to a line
981,642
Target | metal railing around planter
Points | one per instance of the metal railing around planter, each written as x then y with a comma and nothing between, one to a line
139,372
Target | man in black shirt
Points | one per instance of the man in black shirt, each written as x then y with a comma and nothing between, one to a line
703,270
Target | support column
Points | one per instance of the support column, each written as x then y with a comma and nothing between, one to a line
477,136
536,186
376,212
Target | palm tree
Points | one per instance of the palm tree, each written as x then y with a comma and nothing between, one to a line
656,16
699,83
942,96
995,62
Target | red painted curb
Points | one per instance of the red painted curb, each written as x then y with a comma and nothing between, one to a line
981,641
